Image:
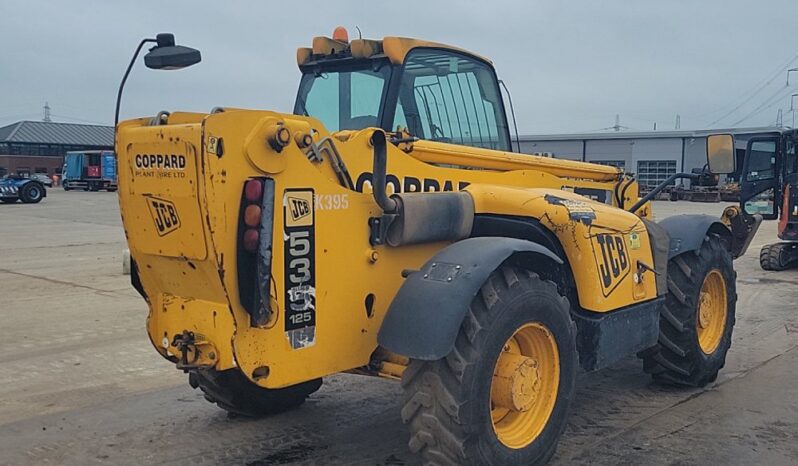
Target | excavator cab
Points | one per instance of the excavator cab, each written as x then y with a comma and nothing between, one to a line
769,186
428,91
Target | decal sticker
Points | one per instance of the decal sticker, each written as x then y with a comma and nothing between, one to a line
331,201
299,240
213,145
578,211
634,240
164,214
612,260
410,184
160,166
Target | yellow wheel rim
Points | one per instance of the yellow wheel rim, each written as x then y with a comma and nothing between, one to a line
711,318
524,386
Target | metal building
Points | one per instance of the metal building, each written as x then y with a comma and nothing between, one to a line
28,147
651,155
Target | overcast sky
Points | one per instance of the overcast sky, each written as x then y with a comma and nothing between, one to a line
571,66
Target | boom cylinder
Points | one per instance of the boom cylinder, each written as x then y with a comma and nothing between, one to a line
436,152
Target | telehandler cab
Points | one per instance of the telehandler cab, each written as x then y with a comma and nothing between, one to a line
386,228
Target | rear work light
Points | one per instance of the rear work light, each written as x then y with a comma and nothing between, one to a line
255,221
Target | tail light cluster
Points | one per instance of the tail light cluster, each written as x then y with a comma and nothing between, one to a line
255,222
253,197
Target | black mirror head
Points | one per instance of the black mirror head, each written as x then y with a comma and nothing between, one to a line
171,57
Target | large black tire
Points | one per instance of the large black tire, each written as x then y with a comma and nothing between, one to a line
448,401
678,358
233,392
9,200
32,192
779,256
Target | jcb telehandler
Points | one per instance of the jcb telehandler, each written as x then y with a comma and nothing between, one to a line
769,186
386,228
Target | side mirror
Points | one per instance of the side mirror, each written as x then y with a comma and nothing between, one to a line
168,56
721,157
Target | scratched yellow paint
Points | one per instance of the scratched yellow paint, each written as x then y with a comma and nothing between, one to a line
189,272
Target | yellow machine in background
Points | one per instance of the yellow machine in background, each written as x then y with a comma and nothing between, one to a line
387,228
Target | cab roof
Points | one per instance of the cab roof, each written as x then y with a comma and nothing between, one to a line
394,48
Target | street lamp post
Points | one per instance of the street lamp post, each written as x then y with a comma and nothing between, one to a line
165,55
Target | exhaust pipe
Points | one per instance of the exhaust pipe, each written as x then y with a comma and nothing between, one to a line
379,176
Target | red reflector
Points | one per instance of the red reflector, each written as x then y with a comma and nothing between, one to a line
251,238
252,215
253,190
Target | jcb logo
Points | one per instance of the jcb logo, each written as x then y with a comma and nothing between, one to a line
298,208
164,214
612,260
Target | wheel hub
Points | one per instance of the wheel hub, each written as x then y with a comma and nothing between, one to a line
524,385
711,315
705,310
516,382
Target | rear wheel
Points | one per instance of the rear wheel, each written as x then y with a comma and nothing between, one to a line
233,392
31,193
697,319
503,394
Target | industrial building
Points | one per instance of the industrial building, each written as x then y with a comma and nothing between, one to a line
652,156
28,147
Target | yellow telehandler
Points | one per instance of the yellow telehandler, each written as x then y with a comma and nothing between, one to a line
387,228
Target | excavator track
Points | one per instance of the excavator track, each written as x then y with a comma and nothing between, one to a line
779,256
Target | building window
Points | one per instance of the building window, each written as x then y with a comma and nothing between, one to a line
653,172
23,171
612,163
3,172
41,170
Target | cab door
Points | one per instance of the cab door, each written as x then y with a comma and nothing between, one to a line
760,191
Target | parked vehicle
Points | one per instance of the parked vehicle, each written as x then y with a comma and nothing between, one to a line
28,190
90,170
769,186
43,179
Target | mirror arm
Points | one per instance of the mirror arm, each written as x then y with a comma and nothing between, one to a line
660,187
124,79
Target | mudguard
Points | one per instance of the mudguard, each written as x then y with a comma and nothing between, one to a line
687,231
425,315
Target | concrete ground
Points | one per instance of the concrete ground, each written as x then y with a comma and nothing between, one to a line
80,384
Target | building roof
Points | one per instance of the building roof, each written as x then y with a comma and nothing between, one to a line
43,132
649,134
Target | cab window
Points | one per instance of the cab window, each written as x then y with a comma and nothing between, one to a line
761,161
449,97
345,99
790,158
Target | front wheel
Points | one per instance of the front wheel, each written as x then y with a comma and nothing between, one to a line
697,319
31,193
503,394
233,392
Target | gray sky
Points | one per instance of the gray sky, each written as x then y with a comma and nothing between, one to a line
571,66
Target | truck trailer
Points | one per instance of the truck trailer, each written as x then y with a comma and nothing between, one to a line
91,170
